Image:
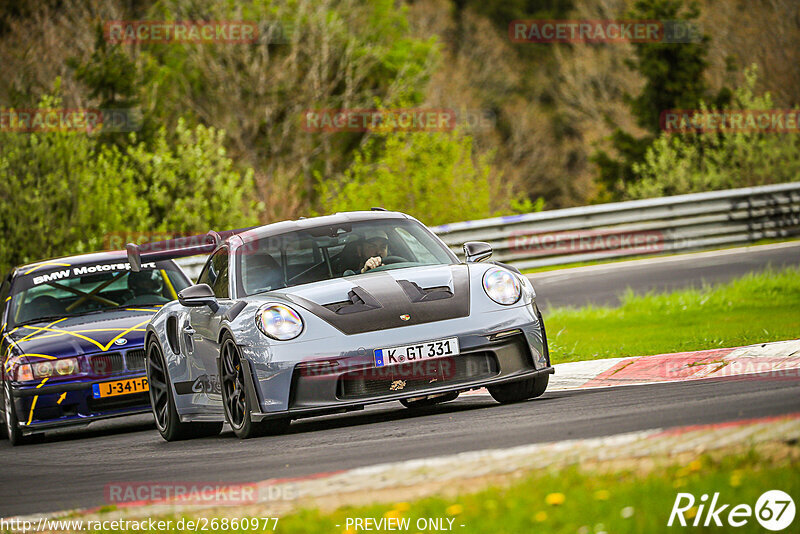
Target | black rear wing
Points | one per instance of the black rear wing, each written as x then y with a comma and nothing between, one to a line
179,247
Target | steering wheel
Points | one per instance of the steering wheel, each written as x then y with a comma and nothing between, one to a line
393,259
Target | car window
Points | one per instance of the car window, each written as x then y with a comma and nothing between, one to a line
419,251
78,289
215,273
315,254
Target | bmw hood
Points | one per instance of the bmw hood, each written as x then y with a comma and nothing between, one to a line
71,336
386,299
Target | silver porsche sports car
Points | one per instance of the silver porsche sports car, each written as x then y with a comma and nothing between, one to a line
329,314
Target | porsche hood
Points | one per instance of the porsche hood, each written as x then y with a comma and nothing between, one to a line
387,299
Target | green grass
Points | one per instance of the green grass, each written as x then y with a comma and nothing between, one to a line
635,499
753,309
619,502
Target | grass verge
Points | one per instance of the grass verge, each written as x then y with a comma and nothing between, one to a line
635,496
752,309
574,501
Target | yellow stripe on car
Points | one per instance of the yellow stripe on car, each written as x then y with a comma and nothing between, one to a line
125,332
29,271
33,403
39,329
65,332
169,284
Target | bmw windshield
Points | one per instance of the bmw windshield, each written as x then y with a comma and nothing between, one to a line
41,294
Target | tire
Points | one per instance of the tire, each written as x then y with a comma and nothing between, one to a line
519,391
162,402
10,421
427,403
237,403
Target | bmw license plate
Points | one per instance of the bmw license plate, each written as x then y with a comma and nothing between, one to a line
119,387
440,348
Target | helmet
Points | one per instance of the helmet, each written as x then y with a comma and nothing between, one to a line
144,282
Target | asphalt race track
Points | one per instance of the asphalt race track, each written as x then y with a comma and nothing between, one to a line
70,468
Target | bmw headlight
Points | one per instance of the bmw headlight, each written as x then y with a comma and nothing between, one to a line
279,322
501,286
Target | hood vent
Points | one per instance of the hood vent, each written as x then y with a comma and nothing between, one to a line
418,294
379,301
358,301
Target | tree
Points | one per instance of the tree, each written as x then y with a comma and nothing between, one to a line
432,176
674,80
66,192
687,163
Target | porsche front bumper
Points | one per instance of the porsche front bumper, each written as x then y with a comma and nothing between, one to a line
510,349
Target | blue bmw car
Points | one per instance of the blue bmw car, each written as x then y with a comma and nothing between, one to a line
72,348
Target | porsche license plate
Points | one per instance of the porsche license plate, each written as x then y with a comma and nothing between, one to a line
120,387
440,348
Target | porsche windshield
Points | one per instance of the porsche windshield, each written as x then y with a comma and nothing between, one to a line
335,251
79,289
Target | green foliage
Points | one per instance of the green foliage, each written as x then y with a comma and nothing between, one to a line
673,71
432,176
109,73
688,163
61,193
191,185
674,74
64,192
344,54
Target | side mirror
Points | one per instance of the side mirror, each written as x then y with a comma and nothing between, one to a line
476,251
198,295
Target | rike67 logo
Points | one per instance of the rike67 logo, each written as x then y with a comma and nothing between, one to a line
774,510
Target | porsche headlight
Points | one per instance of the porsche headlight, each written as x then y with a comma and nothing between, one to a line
279,322
501,286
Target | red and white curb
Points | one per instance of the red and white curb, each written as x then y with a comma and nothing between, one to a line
772,361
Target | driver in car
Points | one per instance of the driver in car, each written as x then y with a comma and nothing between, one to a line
373,249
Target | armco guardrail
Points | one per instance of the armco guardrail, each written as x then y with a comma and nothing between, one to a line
623,229
669,224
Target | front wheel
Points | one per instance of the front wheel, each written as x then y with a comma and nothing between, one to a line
11,423
237,403
162,402
519,391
